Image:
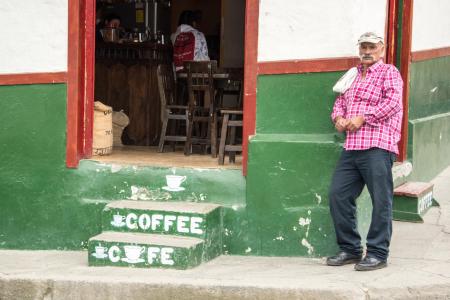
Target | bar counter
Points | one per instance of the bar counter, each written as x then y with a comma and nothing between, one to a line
125,79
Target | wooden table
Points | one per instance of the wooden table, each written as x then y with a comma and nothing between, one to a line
183,75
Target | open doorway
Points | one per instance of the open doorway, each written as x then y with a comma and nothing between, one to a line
126,64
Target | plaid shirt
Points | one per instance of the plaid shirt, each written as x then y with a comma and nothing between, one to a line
379,99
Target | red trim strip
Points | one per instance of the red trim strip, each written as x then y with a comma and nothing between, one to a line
404,70
391,34
250,75
33,78
89,70
304,66
73,146
430,54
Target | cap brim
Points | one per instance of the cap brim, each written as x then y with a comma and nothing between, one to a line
369,40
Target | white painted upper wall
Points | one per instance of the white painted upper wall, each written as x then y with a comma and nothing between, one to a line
307,29
34,36
431,24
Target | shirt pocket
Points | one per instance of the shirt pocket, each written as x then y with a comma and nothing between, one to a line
370,93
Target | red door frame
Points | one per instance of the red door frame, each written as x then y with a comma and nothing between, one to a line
250,76
405,62
81,68
80,80
393,46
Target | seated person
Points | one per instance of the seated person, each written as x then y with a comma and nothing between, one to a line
112,21
188,42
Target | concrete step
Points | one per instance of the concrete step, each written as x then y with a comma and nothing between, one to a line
123,249
199,220
412,200
176,218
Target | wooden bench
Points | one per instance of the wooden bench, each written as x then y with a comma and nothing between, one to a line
412,200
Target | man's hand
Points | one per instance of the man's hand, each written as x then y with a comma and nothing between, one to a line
341,124
355,123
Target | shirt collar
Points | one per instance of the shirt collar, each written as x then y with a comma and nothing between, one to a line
185,28
373,67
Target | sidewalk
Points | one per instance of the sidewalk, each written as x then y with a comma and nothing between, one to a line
419,268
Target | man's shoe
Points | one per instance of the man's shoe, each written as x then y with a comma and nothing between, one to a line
343,258
370,263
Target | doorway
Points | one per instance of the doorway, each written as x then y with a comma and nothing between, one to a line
125,71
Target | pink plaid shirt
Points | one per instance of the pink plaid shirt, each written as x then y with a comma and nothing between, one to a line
379,99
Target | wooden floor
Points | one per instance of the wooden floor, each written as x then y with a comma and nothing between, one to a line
148,156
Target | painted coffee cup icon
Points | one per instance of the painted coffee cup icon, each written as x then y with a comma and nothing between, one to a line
118,220
174,181
133,253
100,250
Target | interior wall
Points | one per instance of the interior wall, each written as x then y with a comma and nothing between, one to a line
34,36
305,29
232,45
210,23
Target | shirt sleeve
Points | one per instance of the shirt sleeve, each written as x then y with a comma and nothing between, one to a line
391,102
201,47
339,108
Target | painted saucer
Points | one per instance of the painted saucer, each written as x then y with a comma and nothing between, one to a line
132,261
104,255
177,189
117,224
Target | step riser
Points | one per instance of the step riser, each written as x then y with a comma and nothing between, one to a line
102,253
406,208
165,222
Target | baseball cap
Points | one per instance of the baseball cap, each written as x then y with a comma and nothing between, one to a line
370,37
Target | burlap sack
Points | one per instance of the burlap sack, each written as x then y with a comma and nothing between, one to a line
103,137
119,120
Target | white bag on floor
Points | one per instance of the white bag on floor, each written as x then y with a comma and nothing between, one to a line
102,138
119,120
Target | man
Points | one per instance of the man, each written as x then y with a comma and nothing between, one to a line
370,111
188,42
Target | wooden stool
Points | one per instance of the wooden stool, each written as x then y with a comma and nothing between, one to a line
230,146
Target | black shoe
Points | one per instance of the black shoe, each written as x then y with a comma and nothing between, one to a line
370,263
343,258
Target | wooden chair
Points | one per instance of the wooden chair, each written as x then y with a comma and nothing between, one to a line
169,109
232,86
231,116
202,114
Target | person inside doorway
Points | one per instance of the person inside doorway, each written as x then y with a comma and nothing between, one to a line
188,42
111,21
370,111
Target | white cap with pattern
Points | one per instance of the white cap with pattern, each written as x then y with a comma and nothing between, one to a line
370,37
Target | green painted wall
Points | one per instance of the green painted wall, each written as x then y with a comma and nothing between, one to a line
429,88
429,117
297,103
282,207
44,205
291,161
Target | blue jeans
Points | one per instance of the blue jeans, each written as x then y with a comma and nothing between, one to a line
356,168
